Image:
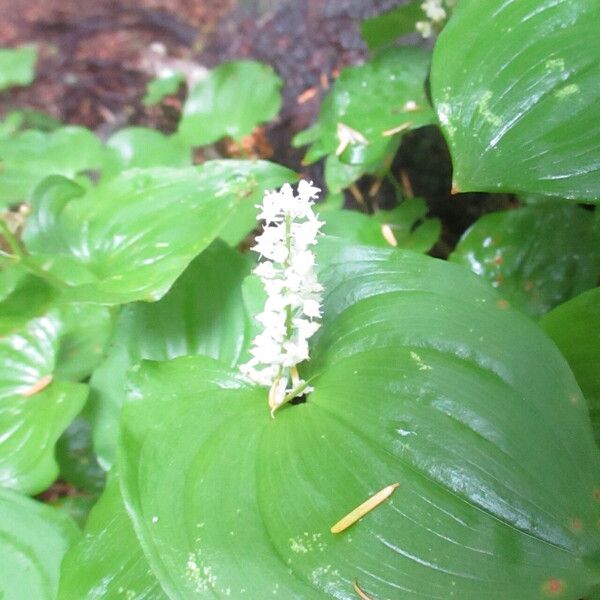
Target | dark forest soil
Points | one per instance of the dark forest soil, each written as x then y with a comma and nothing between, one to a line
94,66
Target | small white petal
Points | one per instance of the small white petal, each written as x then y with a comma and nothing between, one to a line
307,191
311,308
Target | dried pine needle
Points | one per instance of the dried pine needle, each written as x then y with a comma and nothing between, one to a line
359,591
44,382
395,130
360,511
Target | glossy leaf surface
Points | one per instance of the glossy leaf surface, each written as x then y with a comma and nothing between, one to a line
85,332
575,329
537,257
521,114
141,147
33,540
108,562
203,313
374,99
34,411
130,238
84,328
17,66
403,227
30,156
340,175
382,30
231,101
418,373
76,457
243,221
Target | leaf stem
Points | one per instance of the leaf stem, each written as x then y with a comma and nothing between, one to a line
297,391
21,256
11,240
397,187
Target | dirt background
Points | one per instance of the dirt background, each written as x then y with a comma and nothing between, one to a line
96,58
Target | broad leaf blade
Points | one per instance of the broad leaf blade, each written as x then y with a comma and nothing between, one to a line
419,372
108,562
374,99
17,66
575,329
537,257
33,540
382,30
30,156
231,101
33,411
142,147
85,332
84,328
203,313
521,114
402,227
130,238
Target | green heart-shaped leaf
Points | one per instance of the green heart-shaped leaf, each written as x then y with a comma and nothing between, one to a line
378,100
203,313
521,114
403,227
108,562
422,378
232,100
575,329
340,175
28,157
382,30
33,540
130,238
84,328
143,147
537,257
17,66
33,410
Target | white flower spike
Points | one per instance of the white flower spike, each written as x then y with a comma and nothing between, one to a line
293,307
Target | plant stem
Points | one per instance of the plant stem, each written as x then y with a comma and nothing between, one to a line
11,240
297,391
397,187
21,256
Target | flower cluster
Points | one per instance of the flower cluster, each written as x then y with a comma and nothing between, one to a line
293,306
436,12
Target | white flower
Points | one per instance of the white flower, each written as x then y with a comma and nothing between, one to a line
293,305
434,10
424,28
